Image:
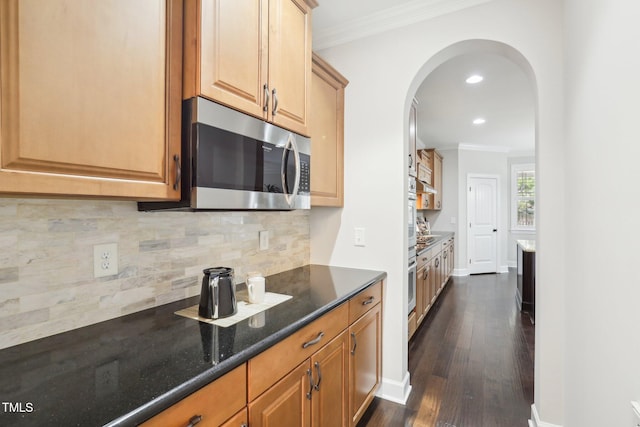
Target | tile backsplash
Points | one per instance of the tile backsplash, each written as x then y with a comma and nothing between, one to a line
47,283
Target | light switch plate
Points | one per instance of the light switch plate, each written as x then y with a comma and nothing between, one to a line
359,236
263,237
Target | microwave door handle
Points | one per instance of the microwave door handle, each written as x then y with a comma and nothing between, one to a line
290,198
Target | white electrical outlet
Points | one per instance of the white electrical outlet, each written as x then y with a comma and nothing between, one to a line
105,260
264,240
359,236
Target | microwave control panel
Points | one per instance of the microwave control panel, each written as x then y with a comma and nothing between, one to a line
305,173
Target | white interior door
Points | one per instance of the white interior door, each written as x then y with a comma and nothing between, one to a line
482,206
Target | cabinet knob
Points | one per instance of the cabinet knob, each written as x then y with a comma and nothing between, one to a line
194,420
368,300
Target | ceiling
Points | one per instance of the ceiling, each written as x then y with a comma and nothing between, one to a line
446,104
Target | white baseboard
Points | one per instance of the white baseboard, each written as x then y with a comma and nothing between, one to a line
535,419
460,272
394,391
511,263
503,269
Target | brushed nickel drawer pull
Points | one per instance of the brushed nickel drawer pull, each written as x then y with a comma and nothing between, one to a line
266,98
194,420
355,343
313,341
368,300
310,374
275,102
176,183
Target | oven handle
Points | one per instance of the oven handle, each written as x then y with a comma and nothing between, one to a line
291,142
412,265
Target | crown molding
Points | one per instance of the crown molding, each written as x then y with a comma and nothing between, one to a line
489,148
388,19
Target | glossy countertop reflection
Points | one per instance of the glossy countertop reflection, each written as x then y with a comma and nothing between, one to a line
123,371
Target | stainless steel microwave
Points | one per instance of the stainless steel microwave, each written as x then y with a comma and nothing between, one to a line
232,161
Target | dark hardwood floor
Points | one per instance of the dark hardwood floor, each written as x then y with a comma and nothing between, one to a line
471,361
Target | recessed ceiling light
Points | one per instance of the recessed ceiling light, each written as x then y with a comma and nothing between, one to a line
474,79
479,121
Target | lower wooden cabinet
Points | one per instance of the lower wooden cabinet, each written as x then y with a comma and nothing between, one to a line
287,403
212,405
324,375
329,398
365,362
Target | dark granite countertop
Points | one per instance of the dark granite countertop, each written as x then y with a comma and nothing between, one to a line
439,236
123,371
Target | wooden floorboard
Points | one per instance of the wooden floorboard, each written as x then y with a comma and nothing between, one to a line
471,361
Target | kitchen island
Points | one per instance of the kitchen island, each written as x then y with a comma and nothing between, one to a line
526,290
124,371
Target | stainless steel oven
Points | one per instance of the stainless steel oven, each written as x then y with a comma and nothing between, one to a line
411,213
412,238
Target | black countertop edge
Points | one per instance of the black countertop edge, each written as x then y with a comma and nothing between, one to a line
166,400
443,235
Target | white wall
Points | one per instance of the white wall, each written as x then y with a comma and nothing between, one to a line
602,283
384,72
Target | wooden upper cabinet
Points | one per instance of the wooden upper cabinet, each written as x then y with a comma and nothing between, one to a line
326,125
251,55
225,54
90,97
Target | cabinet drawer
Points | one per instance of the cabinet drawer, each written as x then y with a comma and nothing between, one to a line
274,363
423,259
240,419
364,301
215,403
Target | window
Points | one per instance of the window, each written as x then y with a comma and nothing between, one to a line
523,197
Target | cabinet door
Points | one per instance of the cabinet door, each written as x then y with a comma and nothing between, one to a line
437,267
326,125
232,55
437,180
329,403
290,64
287,403
420,295
426,278
364,362
90,97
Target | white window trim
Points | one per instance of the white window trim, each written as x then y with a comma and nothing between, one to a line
515,168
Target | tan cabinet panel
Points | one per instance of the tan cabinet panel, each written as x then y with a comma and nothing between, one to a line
365,362
326,126
251,55
290,64
286,403
233,53
213,404
90,97
329,402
